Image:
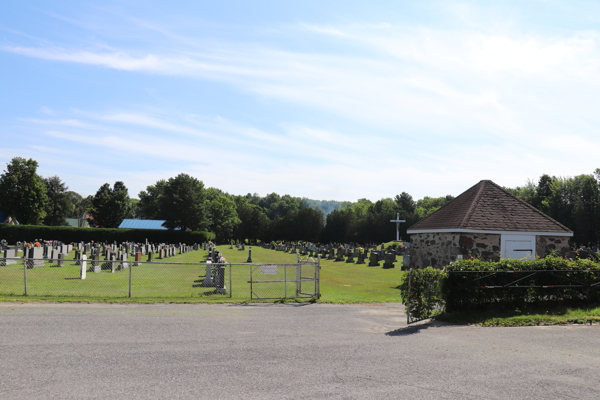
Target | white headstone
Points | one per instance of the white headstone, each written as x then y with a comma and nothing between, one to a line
83,274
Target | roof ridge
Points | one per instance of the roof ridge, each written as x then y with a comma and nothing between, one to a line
542,214
473,204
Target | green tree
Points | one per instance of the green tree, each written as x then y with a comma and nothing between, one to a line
223,215
254,223
405,204
150,201
183,204
23,193
110,206
82,210
59,203
74,200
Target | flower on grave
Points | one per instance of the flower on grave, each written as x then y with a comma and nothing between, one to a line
37,244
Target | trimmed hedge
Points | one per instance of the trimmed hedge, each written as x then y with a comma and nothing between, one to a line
28,233
472,285
469,282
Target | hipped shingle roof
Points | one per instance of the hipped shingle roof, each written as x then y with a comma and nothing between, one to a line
487,206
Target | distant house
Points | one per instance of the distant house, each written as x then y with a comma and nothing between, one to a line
486,222
7,219
143,224
78,222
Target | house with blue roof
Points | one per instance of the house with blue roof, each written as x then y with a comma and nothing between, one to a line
143,224
7,219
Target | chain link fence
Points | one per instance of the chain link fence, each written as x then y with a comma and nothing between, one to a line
157,279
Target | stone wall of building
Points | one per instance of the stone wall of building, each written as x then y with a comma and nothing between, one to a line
440,249
544,245
433,249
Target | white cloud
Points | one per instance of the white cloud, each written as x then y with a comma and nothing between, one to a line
401,108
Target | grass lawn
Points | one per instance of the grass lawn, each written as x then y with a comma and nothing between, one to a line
536,316
340,282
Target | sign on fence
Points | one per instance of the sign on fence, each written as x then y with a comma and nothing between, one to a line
268,269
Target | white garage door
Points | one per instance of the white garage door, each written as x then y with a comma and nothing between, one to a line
518,247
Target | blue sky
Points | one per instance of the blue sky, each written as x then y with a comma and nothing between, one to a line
328,100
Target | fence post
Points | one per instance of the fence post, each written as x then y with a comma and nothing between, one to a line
250,266
284,281
230,280
130,268
298,275
318,276
407,305
25,275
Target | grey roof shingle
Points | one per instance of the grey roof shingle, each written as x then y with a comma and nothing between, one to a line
487,206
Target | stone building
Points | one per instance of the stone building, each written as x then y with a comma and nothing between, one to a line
486,222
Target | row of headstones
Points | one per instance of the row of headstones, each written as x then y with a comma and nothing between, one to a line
37,255
344,254
129,247
214,275
375,257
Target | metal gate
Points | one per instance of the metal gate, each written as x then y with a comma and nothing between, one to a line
285,281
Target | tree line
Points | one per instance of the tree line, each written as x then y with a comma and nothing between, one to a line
184,203
572,201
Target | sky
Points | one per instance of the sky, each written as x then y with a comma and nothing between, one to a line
330,100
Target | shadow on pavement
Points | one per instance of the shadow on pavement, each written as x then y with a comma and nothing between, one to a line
274,303
412,329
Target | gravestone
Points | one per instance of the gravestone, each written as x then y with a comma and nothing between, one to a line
220,279
113,264
124,262
61,260
96,267
83,273
9,253
150,257
350,258
389,260
36,257
249,255
361,258
373,260
208,278
340,255
331,255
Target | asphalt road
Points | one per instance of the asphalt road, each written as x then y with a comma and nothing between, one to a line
315,351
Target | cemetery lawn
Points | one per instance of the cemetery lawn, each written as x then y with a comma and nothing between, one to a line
536,316
340,282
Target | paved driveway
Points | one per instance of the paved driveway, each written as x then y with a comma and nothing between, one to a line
316,351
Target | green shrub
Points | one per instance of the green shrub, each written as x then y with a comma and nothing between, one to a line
426,295
28,233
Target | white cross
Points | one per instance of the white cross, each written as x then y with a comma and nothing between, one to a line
397,221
